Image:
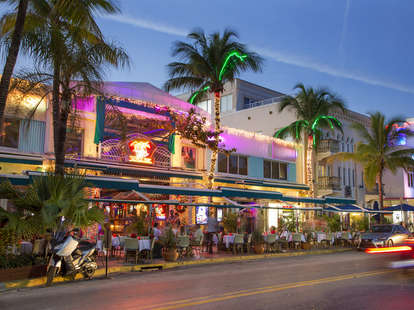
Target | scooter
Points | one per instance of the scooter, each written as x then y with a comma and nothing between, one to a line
69,257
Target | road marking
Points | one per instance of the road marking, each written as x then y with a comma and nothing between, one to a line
263,290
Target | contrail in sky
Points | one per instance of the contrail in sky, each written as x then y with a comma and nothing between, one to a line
287,58
341,49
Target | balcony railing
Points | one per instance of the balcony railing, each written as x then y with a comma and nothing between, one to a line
329,183
328,146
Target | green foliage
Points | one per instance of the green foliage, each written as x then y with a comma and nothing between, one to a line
230,222
43,204
168,239
257,237
139,226
289,222
334,222
378,151
16,261
361,224
312,108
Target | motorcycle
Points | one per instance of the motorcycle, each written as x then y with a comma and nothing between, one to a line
70,257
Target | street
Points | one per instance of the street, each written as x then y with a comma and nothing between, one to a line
350,280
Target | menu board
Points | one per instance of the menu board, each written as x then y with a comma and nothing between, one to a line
201,215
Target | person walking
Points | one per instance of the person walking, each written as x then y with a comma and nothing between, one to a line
212,227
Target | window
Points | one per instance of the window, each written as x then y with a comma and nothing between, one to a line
349,176
339,172
267,169
344,176
234,164
353,178
274,170
347,148
410,178
73,143
222,163
10,137
226,103
342,147
246,102
205,105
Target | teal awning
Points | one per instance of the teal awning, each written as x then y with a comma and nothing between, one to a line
339,200
21,160
262,183
171,190
249,193
303,199
15,179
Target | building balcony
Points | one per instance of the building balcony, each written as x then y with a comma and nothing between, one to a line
329,183
327,147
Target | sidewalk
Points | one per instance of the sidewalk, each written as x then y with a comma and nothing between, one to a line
117,266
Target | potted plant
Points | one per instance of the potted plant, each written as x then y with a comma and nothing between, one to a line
258,242
169,243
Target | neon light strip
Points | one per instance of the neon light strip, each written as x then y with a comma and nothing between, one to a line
393,249
226,62
197,93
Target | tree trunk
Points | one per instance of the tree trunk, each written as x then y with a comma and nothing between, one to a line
11,58
217,138
381,196
310,162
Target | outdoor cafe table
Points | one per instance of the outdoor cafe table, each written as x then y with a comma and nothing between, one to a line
144,244
320,237
227,239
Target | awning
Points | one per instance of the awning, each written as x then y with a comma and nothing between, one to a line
172,190
338,200
401,207
261,183
345,208
15,179
249,193
101,182
16,159
303,199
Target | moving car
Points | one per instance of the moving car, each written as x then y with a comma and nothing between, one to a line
384,235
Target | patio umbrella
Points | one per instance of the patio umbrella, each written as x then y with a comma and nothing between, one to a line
400,207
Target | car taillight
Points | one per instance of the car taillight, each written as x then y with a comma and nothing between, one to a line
392,249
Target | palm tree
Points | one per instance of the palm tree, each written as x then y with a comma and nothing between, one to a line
207,64
380,150
12,52
67,45
312,108
44,204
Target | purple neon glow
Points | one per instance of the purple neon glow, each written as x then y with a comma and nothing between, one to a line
258,146
86,104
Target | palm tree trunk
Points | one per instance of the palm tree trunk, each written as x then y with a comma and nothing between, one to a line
12,58
381,195
217,137
310,161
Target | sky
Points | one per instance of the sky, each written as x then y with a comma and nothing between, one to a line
362,50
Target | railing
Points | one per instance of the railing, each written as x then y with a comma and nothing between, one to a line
328,146
332,183
263,102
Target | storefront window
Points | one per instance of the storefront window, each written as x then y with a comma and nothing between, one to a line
10,137
73,144
283,171
267,166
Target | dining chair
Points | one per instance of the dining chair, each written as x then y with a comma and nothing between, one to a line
270,242
131,248
238,244
183,242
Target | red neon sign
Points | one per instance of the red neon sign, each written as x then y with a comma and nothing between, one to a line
141,151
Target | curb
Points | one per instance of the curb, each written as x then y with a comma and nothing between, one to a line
4,286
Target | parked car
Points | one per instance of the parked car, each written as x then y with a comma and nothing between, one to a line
384,235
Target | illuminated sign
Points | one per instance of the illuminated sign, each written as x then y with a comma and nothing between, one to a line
141,151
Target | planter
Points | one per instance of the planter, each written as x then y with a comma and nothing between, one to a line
170,255
20,273
259,248
307,246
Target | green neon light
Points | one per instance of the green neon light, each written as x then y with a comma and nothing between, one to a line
197,93
226,62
